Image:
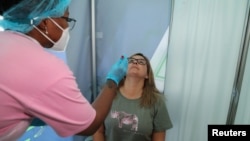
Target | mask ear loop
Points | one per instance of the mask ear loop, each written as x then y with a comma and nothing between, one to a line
56,24
32,23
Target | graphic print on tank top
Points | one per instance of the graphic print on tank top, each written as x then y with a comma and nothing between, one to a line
124,118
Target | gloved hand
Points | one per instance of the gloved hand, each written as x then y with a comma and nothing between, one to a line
118,70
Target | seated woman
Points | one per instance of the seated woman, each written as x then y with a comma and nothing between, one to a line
139,111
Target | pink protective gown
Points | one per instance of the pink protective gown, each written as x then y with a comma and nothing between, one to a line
35,83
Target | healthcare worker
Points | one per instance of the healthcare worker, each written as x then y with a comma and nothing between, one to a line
37,84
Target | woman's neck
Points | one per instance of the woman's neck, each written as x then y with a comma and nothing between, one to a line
132,88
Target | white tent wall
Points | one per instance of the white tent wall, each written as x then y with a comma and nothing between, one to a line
203,54
206,39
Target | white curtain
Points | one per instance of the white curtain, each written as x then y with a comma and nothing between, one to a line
204,45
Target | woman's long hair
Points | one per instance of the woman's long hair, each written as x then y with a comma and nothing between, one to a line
150,92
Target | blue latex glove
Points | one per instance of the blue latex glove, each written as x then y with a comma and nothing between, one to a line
118,70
